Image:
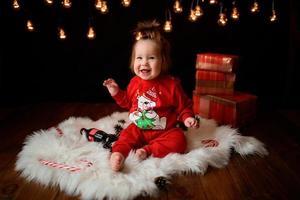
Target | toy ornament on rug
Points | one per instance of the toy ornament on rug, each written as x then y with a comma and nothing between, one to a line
96,135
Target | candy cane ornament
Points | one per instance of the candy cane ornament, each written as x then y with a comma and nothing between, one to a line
66,166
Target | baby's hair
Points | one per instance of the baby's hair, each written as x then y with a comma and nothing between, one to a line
151,30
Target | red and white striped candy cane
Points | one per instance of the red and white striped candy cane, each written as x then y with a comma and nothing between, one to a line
65,166
58,130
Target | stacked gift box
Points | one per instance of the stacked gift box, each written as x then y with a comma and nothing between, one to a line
214,95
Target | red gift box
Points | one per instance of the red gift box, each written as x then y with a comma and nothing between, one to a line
214,90
211,82
196,104
217,62
235,110
214,76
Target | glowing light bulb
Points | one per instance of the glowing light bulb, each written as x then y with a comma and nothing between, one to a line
62,34
91,33
16,5
98,4
168,26
192,16
213,2
67,3
198,11
104,8
235,14
273,17
177,7
222,21
49,2
255,7
126,3
30,26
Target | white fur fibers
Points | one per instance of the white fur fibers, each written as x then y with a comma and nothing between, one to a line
98,181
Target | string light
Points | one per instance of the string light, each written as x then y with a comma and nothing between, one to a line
195,12
16,5
213,2
91,33
126,3
168,23
61,33
235,14
67,3
168,26
177,7
192,16
198,10
98,4
49,2
29,25
273,17
222,21
104,7
255,7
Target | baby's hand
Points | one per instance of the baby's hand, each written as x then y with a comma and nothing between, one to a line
191,122
112,86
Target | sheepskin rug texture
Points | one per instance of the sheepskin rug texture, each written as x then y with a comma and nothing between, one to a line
61,156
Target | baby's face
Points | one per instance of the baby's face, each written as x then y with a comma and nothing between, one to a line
147,60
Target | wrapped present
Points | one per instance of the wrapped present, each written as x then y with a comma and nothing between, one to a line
200,105
196,104
211,82
217,62
214,90
235,110
214,76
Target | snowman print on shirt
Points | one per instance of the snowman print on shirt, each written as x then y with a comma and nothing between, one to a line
145,117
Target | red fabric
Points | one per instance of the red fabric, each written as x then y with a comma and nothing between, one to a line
157,143
170,102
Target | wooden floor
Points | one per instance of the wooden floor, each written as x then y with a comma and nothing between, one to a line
276,176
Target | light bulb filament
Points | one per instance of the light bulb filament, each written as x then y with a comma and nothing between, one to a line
168,26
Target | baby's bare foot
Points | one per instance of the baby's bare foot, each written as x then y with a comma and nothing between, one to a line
141,154
116,161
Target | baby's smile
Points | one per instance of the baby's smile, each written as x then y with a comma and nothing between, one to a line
145,70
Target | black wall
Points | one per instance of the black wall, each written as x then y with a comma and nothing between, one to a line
38,67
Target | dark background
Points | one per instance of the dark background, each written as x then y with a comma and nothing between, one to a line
38,67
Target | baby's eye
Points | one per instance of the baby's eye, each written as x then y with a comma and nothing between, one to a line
139,58
151,57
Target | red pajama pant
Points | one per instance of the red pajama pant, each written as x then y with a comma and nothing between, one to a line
157,143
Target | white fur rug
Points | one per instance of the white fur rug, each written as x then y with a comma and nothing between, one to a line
62,156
